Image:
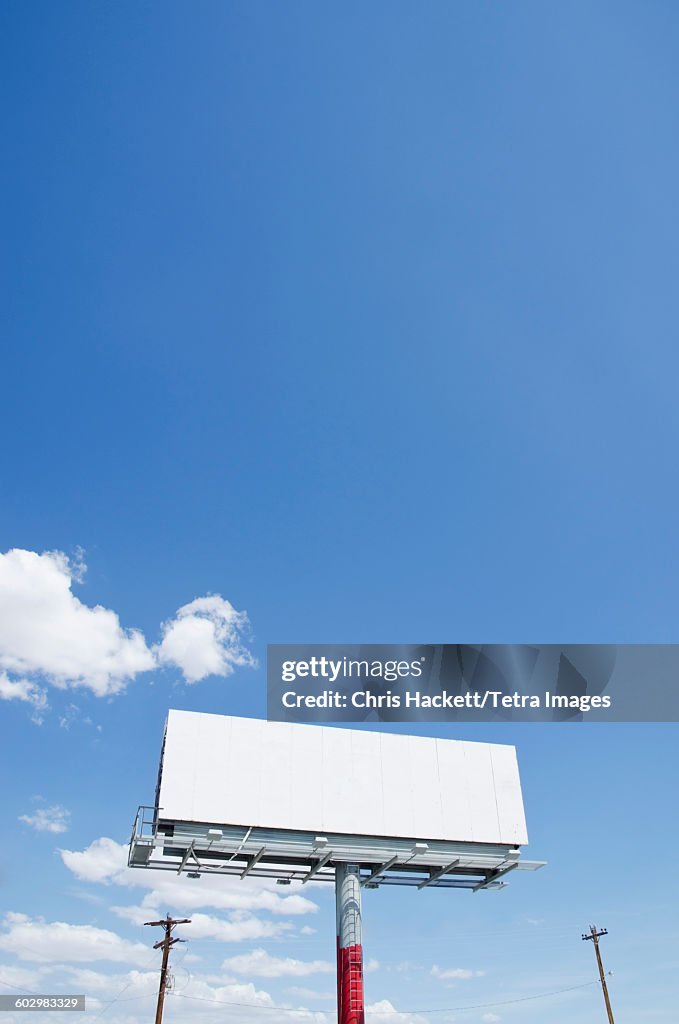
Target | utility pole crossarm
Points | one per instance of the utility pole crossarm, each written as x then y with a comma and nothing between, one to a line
161,924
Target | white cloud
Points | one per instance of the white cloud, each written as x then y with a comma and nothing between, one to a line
19,977
48,819
205,639
105,861
490,1018
384,1012
405,966
240,1001
99,987
45,942
222,893
71,714
260,964
193,996
310,993
22,689
105,986
456,973
215,998
87,897
46,631
236,929
371,966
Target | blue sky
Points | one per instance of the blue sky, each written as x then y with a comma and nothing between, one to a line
364,320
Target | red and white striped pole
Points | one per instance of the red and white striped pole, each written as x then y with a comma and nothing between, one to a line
350,1008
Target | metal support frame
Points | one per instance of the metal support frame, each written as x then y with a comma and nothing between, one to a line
352,862
379,871
317,866
293,856
190,854
435,875
253,861
491,882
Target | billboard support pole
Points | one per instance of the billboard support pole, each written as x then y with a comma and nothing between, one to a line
350,1005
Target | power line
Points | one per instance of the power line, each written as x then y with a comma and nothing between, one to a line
279,1009
28,992
447,1009
123,989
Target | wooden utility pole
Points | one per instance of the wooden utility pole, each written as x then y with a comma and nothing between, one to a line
166,942
594,936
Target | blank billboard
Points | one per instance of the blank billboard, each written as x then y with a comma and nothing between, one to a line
240,771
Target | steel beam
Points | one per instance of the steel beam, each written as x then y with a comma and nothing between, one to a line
317,866
253,860
380,870
439,873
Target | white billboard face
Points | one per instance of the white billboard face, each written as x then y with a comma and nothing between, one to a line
240,771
